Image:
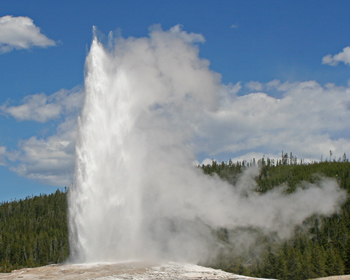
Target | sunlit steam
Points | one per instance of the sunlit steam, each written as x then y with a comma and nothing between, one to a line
136,193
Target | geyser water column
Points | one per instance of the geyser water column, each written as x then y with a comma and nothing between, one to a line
131,135
136,194
104,214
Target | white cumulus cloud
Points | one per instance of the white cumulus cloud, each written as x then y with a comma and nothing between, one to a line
21,33
308,120
41,108
343,56
254,86
2,155
48,160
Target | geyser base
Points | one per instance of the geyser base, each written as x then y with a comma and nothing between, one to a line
126,270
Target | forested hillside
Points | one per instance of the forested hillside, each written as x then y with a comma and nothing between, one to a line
33,231
320,247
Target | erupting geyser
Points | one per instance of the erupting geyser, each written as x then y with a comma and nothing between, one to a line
136,193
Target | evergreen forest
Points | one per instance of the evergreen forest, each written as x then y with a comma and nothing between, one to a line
319,248
34,231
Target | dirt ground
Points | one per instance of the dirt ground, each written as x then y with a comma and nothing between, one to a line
130,271
121,271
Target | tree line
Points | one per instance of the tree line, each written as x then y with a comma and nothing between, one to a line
34,231
320,247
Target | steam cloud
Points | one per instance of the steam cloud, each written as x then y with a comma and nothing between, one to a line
136,193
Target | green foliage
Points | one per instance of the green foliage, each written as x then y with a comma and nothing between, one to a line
319,248
33,231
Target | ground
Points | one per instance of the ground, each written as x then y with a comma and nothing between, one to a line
130,271
122,271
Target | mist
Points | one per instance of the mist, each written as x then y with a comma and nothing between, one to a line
136,193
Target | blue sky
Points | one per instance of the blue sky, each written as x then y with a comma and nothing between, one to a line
291,53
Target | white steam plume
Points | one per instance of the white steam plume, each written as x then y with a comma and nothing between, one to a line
136,194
